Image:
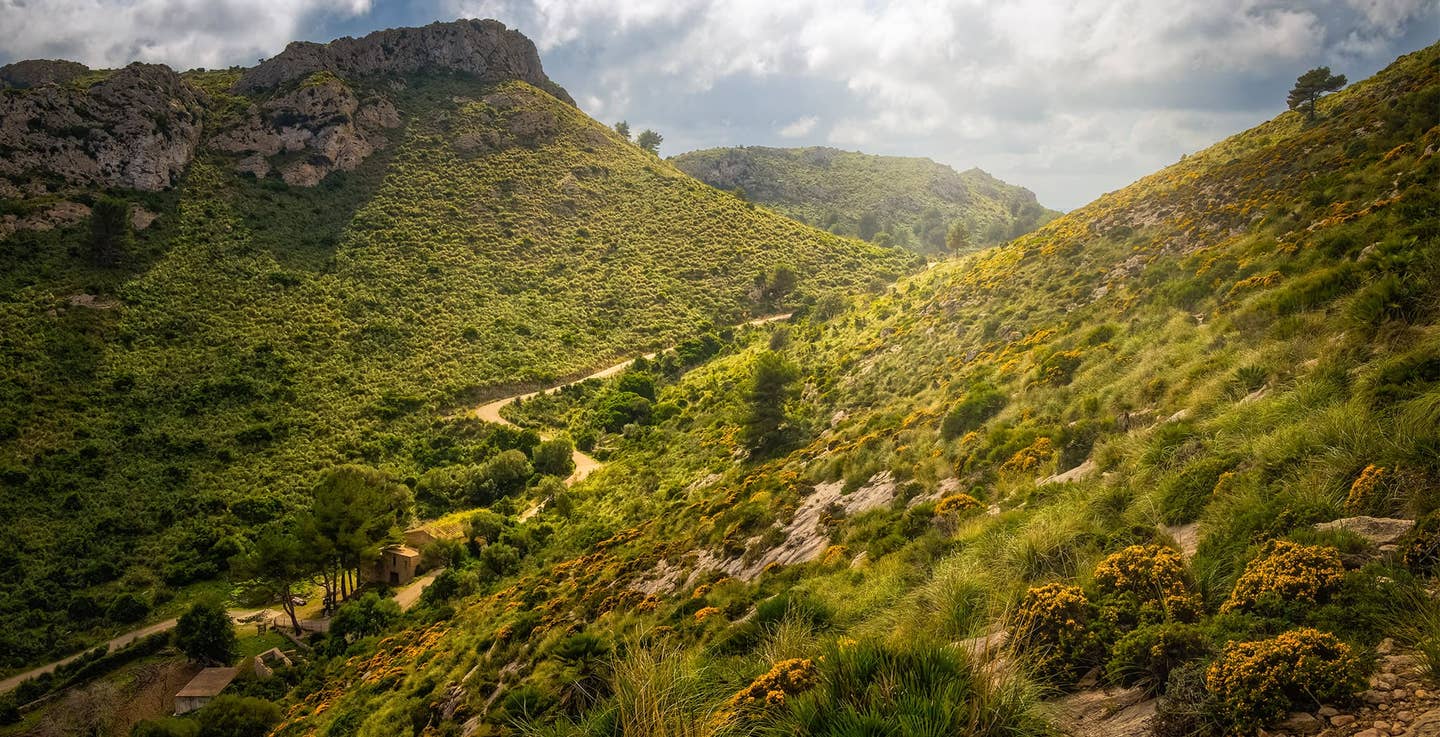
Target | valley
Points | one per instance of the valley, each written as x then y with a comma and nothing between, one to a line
897,451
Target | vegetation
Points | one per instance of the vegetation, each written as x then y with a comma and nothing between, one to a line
1254,421
256,336
1310,87
205,634
915,204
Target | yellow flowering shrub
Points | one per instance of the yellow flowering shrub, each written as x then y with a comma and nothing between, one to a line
835,554
1031,458
1259,682
1147,584
785,678
1364,491
955,504
706,613
1051,629
1286,573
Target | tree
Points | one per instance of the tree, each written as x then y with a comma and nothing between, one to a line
1310,87
205,634
508,471
555,457
127,608
869,226
367,616
278,563
500,559
623,128
238,716
772,385
109,231
650,141
354,511
956,239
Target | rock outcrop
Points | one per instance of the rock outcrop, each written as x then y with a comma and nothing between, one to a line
136,129
323,118
35,72
484,48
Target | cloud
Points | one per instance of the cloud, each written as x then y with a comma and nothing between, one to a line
1069,99
181,33
800,127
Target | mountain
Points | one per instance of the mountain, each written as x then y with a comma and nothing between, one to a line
908,202
1171,439
218,284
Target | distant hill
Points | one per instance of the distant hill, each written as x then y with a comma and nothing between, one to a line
907,202
215,285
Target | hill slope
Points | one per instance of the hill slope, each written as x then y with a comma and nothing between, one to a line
309,274
913,202
1229,351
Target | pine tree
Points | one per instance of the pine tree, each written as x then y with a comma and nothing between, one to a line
649,140
1311,86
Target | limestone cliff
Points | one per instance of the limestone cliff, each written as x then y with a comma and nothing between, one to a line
484,48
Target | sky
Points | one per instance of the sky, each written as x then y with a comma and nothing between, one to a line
1070,98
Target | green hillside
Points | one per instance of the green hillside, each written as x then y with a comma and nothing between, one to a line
908,202
154,412
1226,353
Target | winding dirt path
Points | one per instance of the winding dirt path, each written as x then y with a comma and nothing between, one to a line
584,464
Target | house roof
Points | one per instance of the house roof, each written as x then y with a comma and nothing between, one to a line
404,551
209,682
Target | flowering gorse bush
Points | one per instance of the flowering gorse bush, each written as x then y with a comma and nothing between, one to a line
1147,584
1259,682
1286,573
1051,628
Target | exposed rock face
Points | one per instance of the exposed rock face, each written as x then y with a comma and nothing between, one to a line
137,129
484,48
35,72
322,117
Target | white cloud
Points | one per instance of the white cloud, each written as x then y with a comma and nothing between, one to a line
1045,93
800,127
181,33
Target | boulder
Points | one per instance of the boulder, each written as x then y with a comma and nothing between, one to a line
1377,530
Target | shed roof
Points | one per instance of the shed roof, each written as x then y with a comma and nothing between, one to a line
209,682
404,551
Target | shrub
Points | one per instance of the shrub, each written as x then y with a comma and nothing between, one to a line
9,711
1420,548
238,716
981,403
1030,458
205,634
866,688
785,678
1366,491
1256,683
553,457
1147,656
1184,496
1284,576
166,727
1188,709
1146,584
1051,628
955,504
127,608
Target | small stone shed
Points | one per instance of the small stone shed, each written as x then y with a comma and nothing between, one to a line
206,685
396,566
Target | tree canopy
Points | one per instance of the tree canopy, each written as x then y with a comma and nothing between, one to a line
649,140
1310,87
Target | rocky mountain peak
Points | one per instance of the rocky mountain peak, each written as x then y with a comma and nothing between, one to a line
484,48
35,72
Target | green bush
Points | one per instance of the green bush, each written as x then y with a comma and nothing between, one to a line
127,608
237,716
1053,630
1147,656
1256,683
166,727
865,688
979,404
1420,547
1184,496
1188,709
